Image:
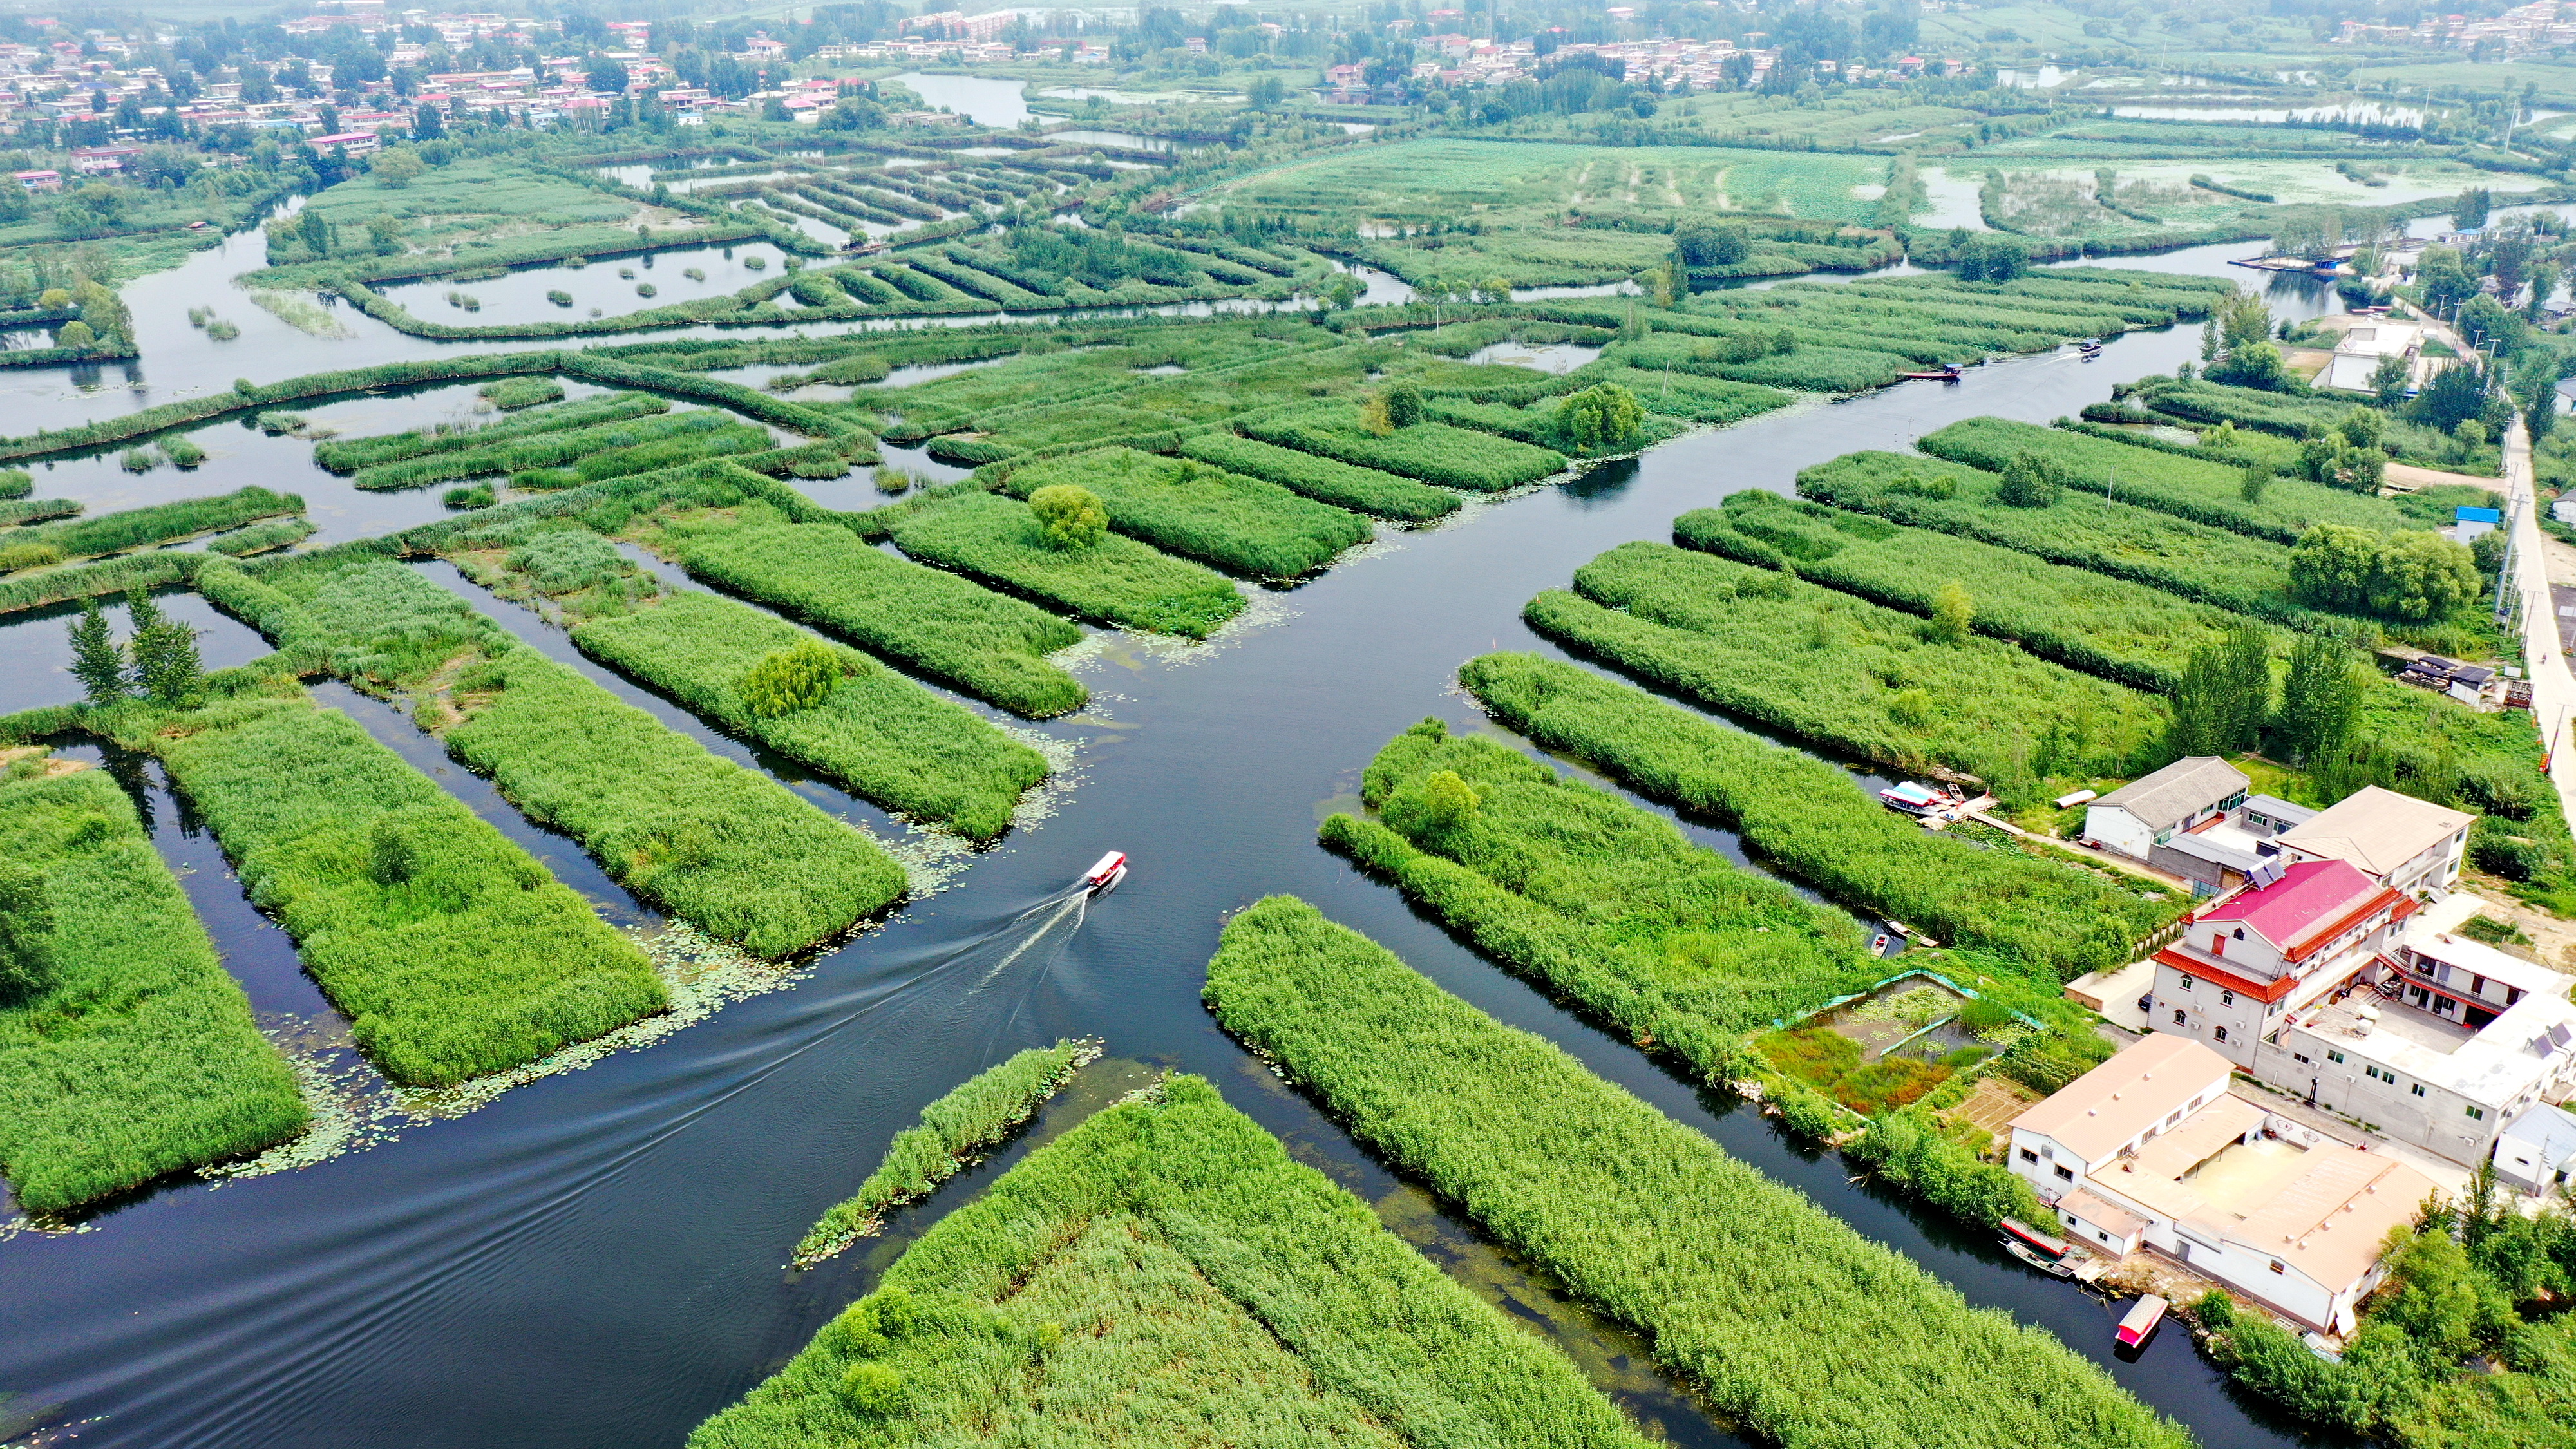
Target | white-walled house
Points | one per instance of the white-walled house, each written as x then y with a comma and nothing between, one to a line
2150,810
2536,1152
2402,842
2150,1151
2245,962
2439,1041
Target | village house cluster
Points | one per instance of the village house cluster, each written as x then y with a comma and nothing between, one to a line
2323,1035
88,77
2524,30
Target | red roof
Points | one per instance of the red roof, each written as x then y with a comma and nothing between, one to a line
2308,895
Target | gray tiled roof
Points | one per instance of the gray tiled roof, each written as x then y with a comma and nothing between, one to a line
2178,791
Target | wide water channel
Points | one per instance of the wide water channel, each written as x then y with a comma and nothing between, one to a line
595,1258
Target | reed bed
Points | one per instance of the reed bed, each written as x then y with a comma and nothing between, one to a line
2127,632
263,537
453,951
957,631
157,524
1362,490
1600,901
545,449
1745,1288
36,510
974,1114
1243,525
1865,680
2193,560
1115,581
729,849
688,446
2192,488
885,737
1165,1273
1804,816
140,1057
513,394
1430,452
348,455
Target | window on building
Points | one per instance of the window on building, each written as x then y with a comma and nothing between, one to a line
2066,1174
2372,1072
2219,1032
2280,1267
2419,1089
2477,1114
2029,1156
2179,1018
2299,1057
2334,1056
2227,998
2186,983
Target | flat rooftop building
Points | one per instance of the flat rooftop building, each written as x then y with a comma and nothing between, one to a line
2151,1151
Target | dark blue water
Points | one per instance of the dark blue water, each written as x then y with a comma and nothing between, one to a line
595,1258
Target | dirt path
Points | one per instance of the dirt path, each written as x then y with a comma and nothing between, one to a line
2408,477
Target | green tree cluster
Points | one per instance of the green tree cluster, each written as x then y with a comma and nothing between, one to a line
1602,418
2031,481
2409,575
160,660
2224,697
1069,516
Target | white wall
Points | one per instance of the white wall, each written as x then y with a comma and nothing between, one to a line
2116,828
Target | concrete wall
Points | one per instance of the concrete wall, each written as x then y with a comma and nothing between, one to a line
2116,829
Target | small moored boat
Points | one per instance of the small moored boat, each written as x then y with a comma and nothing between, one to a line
2142,1321
1948,372
2043,1263
2049,1243
1916,798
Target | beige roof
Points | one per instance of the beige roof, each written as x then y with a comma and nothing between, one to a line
2178,791
2119,1221
2330,1222
2376,830
2102,1109
2323,1213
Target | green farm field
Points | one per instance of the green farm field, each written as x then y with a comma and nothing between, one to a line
1421,182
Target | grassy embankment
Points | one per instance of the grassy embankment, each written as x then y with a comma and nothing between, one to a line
974,1114
1746,1289
138,1056
1166,1273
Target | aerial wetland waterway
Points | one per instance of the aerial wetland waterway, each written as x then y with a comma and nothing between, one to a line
596,1257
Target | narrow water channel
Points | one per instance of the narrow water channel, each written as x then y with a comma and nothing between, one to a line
595,1258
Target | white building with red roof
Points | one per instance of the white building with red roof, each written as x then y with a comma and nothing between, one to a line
2290,935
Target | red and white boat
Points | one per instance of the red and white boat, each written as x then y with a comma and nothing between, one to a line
2142,1321
1105,873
